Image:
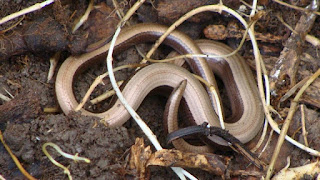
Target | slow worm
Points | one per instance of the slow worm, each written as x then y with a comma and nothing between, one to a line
156,75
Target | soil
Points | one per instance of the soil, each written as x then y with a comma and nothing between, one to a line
26,127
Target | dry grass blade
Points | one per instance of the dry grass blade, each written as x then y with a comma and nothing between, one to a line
295,7
180,172
99,79
25,11
15,159
285,127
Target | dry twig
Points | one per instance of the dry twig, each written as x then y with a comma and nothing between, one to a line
142,157
311,169
303,125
